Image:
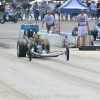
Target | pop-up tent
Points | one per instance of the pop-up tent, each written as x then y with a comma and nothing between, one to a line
71,6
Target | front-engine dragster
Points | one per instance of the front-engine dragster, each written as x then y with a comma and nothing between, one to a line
34,46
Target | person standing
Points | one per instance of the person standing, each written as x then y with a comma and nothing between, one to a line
52,7
83,25
58,5
28,6
14,5
43,9
49,20
36,10
24,7
2,9
93,7
7,6
18,11
88,10
98,9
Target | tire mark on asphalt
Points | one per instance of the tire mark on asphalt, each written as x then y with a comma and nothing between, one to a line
74,65
6,46
74,79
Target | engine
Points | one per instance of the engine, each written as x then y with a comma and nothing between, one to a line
39,46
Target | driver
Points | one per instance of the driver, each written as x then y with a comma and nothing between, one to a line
28,35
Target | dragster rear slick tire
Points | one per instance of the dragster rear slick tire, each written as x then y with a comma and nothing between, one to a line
21,48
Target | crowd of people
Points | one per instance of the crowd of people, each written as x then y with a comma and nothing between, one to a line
93,10
37,9
28,10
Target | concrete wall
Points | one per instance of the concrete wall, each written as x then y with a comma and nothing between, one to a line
54,39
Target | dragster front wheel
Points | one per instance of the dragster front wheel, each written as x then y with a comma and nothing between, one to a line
67,52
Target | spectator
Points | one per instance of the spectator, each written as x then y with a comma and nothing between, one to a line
28,6
39,4
31,11
49,20
58,5
43,9
52,7
36,11
18,10
7,6
93,7
24,6
14,5
2,8
82,19
98,9
88,10
47,3
10,11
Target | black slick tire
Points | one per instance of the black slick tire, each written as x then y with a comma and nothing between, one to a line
21,48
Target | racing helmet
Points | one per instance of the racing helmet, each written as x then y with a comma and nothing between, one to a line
29,32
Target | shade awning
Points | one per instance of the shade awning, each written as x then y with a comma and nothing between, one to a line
72,6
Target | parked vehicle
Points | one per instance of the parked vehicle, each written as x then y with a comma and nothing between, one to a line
7,18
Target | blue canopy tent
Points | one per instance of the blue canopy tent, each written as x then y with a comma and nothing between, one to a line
71,6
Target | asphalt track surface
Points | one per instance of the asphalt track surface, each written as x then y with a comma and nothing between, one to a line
47,78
